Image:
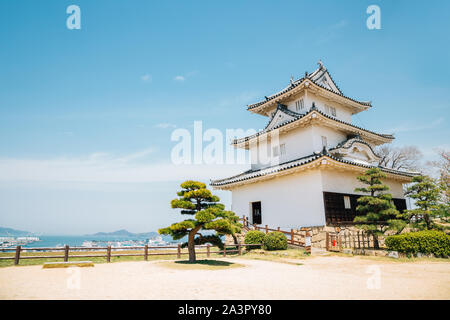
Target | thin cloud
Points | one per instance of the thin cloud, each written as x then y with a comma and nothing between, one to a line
417,127
182,78
179,78
106,168
146,78
165,125
329,33
241,99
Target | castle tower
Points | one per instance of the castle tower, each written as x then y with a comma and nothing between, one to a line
305,162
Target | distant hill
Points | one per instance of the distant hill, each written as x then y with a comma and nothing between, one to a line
125,233
9,232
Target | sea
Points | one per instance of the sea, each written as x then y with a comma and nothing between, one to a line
77,241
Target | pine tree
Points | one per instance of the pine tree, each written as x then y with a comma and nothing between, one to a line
196,200
427,195
377,212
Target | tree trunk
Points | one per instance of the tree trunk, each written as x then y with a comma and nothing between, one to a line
376,245
191,243
427,221
191,246
235,239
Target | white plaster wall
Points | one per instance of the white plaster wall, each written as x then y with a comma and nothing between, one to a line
342,112
334,137
290,201
299,142
346,182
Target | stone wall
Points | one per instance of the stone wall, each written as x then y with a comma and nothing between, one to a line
318,236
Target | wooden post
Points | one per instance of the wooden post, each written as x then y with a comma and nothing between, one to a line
66,253
267,229
146,252
179,251
17,257
239,249
278,229
108,254
327,241
208,252
224,250
359,241
308,245
292,236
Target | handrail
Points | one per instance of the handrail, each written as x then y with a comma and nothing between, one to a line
291,233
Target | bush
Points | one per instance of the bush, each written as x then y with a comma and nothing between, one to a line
428,241
254,237
275,241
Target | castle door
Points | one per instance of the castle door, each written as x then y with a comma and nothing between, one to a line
256,212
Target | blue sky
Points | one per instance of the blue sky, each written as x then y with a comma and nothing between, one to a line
86,115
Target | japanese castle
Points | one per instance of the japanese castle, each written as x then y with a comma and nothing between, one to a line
305,162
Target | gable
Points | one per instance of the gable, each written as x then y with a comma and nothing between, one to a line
323,78
356,150
279,117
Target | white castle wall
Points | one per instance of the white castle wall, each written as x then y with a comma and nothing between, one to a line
289,201
296,200
345,182
299,142
342,112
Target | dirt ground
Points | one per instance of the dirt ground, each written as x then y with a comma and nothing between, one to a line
327,277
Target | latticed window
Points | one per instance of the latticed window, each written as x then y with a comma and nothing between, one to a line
338,210
324,141
330,110
347,204
299,105
282,149
275,151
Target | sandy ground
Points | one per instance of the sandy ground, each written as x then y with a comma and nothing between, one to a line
318,278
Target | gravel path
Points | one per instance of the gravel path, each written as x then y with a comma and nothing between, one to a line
317,278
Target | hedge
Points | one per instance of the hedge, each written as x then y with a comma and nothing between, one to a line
254,237
429,241
275,241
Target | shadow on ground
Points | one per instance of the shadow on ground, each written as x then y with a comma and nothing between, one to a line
200,264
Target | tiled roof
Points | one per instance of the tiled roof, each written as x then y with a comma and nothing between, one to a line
347,144
298,82
251,174
299,116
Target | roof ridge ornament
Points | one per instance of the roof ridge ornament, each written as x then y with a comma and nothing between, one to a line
320,64
291,80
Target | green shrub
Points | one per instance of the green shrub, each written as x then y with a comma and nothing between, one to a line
254,237
428,241
275,241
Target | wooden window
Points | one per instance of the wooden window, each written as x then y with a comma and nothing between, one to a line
338,213
275,151
347,204
324,141
282,149
330,110
299,105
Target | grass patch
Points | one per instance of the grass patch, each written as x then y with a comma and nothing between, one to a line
200,265
73,256
283,256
